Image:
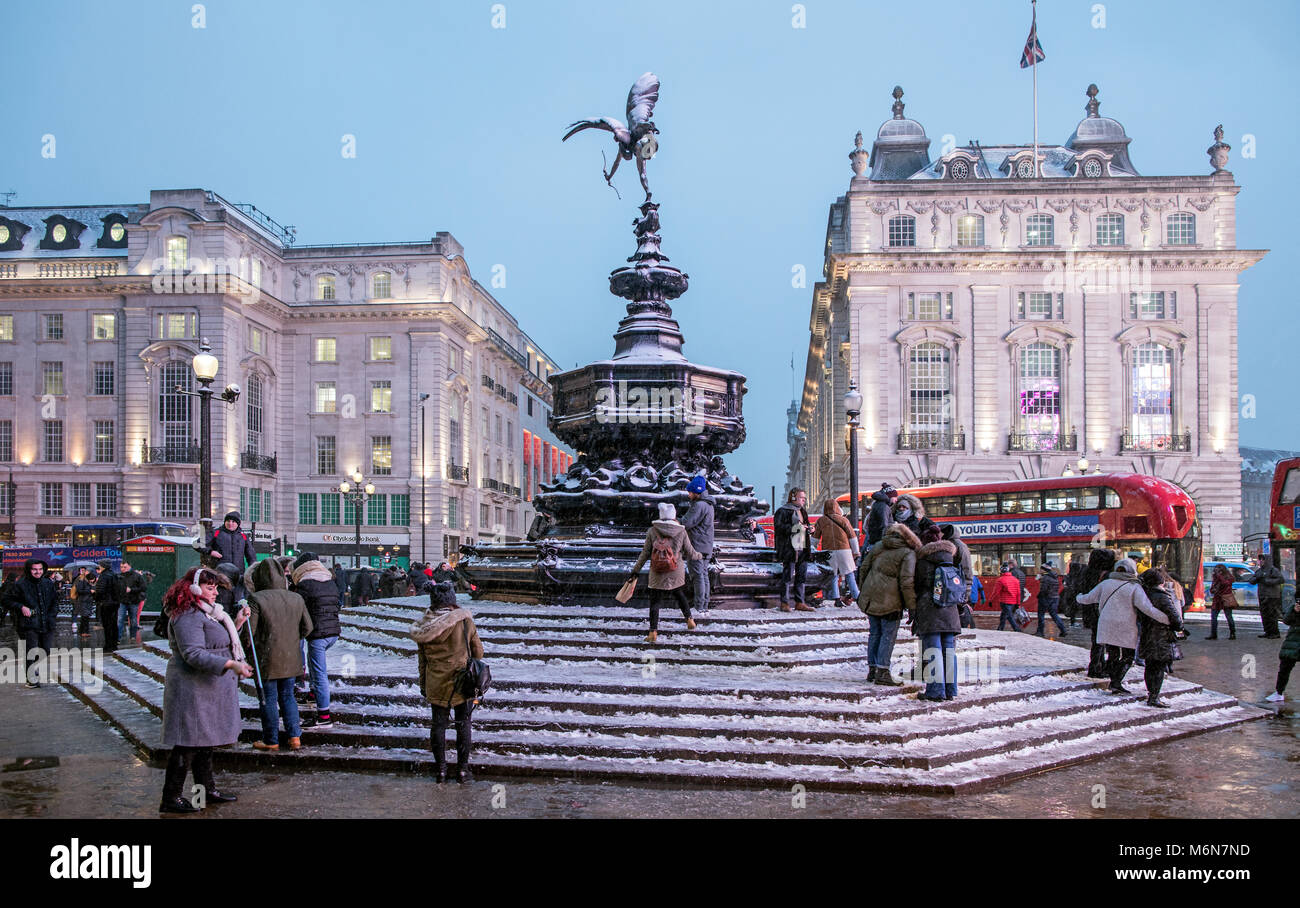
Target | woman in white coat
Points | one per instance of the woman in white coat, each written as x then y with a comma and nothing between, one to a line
1120,597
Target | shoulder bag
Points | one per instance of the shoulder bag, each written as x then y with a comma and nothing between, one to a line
475,679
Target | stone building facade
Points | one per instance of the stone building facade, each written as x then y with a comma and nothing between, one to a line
1005,320
102,309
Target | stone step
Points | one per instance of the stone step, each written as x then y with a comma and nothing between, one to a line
482,611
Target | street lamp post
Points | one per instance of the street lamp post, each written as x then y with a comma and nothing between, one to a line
853,409
205,367
424,475
357,491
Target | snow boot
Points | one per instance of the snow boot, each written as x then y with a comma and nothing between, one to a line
871,675
886,678
440,772
801,607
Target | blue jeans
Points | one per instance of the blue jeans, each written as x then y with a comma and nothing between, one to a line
939,665
278,693
313,656
880,640
835,586
1051,611
128,616
699,571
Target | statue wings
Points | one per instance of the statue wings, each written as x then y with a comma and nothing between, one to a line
641,100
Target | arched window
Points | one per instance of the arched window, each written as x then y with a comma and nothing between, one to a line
381,285
1040,396
1110,230
1151,411
178,250
325,287
902,230
1040,230
970,230
929,389
175,409
1180,230
254,396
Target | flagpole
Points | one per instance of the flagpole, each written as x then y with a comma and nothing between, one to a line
1033,60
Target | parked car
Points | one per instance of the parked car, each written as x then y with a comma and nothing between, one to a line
1247,594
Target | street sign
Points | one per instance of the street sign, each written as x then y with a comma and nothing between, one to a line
1235,550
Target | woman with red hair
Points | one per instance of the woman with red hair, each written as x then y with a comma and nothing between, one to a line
201,690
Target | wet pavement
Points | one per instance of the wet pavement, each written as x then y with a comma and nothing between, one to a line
1250,770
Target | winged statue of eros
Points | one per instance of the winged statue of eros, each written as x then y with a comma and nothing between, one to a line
637,138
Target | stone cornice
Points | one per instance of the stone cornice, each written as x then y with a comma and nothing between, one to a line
955,262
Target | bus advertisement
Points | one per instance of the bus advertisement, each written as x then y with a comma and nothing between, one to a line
1284,522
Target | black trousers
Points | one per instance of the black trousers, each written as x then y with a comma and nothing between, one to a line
1096,656
1270,610
438,734
107,614
42,641
1119,659
657,596
182,761
794,574
1284,672
1154,673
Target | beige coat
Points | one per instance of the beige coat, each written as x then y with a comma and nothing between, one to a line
674,531
441,635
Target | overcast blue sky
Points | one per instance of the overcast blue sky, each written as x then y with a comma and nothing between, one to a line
458,127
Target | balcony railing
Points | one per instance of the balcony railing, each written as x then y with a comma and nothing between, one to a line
925,441
507,349
1043,441
488,382
1180,444
261,463
507,395
497,486
457,472
169,453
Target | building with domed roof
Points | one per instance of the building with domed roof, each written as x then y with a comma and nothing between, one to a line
1014,311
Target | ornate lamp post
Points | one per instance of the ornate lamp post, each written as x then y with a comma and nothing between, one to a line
424,475
358,491
853,409
205,367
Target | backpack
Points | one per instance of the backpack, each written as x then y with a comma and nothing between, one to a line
949,587
663,556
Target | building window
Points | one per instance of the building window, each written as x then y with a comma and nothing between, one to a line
381,349
325,287
52,499
307,507
326,350
1040,305
454,444
453,512
104,384
105,441
175,408
6,327
929,306
381,396
105,499
6,379
103,327
1040,390
486,427
52,441
381,285
1040,230
499,436
257,273
377,510
329,509
530,404
381,455
80,499
250,503
510,435
1151,413
902,230
177,499
400,515
484,518
175,325
52,378
1156,305
325,402
53,325
255,414
929,391
349,511
970,230
178,252
6,502
6,440
1110,230
455,359
256,340
1180,230
326,460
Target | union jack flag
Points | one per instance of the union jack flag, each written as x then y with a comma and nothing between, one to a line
1033,52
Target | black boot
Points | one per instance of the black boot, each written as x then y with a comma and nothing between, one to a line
440,772
176,805
462,774
871,675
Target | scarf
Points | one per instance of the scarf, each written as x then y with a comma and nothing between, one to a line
217,613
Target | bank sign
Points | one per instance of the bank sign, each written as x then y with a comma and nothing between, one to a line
984,530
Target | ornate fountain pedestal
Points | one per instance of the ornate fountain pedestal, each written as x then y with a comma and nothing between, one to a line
645,422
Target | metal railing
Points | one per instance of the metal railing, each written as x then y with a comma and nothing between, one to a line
262,463
941,441
1179,444
505,395
498,486
508,349
169,453
1043,441
457,472
488,382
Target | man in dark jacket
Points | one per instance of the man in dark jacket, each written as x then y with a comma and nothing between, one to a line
34,603
318,590
936,623
106,603
364,586
882,513
1049,597
277,623
698,522
84,589
444,573
1269,579
341,581
232,545
792,531
130,587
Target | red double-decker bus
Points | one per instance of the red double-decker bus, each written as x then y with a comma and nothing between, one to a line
1061,519
1284,522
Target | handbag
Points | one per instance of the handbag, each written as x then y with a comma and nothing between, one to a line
1022,618
626,590
475,679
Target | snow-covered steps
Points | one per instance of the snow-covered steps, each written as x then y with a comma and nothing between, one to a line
758,698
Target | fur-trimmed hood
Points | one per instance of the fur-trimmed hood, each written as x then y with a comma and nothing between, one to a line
918,509
899,535
670,528
311,570
931,548
436,622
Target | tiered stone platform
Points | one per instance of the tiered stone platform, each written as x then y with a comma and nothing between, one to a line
750,698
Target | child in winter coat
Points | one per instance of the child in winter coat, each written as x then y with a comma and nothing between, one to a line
665,545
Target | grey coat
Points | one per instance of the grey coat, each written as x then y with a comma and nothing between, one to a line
667,529
200,696
699,524
1120,597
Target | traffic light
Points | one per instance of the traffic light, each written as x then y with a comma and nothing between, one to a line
276,545
288,549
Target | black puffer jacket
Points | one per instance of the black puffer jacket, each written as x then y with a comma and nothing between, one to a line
322,598
40,597
1100,563
1049,588
880,518
1156,640
929,618
235,548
